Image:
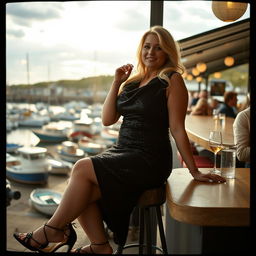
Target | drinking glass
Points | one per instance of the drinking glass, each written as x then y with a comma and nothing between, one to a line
222,118
215,143
215,114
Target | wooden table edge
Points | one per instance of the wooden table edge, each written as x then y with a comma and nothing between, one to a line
201,216
223,216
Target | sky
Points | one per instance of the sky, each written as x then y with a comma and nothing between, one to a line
78,39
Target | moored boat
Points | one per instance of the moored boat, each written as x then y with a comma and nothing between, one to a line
70,152
12,147
58,167
45,201
109,134
91,147
80,128
29,167
30,119
51,133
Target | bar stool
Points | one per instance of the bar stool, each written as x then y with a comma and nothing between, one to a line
150,199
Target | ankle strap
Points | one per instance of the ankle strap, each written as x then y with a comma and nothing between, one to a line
101,243
59,229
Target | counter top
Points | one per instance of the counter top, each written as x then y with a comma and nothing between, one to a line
198,129
209,204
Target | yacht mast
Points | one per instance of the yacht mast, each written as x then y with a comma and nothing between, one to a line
27,57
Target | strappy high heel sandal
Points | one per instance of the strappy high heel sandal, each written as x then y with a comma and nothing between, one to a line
79,250
68,240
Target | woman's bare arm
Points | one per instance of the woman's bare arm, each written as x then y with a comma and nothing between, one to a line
109,113
177,107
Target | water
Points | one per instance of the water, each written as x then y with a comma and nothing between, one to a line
228,163
24,135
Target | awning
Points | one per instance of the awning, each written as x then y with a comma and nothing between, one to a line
213,46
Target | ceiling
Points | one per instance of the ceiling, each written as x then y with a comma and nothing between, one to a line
213,46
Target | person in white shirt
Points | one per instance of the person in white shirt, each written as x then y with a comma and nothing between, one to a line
241,128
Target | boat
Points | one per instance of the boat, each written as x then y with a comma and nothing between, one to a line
70,152
8,125
12,147
51,133
80,128
29,166
75,136
58,167
45,200
30,119
67,116
109,134
90,146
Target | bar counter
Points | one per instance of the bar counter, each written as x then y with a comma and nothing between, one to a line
201,215
198,129
209,204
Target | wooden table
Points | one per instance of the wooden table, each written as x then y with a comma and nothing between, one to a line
207,212
199,127
209,204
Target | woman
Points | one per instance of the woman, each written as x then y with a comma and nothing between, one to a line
107,186
201,108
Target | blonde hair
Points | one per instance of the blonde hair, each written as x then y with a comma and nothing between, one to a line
169,46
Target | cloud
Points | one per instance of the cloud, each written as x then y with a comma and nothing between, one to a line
15,32
184,19
134,19
24,14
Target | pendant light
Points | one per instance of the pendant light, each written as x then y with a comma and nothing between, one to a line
217,75
201,66
229,61
228,11
189,77
199,79
195,71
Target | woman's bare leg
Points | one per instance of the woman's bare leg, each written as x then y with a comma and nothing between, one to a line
81,191
92,223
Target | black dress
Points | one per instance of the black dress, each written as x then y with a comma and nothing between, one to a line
141,158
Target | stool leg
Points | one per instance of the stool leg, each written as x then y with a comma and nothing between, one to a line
161,229
141,237
148,227
119,249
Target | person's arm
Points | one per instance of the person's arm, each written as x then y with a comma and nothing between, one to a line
109,112
242,137
177,105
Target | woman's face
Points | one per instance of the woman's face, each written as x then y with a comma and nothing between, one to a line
153,57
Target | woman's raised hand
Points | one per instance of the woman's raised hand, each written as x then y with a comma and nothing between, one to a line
123,72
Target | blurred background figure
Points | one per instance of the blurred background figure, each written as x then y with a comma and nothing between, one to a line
201,108
229,106
244,104
212,104
241,128
203,94
194,99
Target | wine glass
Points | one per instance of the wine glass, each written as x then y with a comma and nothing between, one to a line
215,143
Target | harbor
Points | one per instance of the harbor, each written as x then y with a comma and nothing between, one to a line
21,214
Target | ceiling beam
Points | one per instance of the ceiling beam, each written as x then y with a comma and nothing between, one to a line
156,13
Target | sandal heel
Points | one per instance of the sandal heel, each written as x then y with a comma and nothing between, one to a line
69,240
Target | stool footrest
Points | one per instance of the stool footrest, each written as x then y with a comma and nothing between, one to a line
142,245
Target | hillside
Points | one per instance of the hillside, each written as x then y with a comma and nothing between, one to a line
102,82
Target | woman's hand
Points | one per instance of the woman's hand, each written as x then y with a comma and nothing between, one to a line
208,177
122,73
